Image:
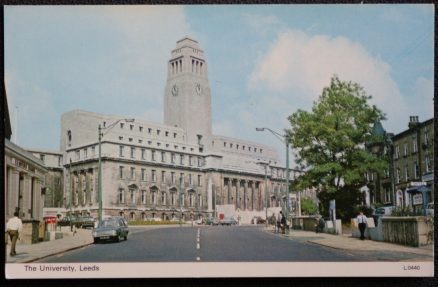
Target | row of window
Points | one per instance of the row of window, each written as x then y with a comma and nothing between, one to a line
162,156
243,147
150,131
415,169
414,147
154,197
153,175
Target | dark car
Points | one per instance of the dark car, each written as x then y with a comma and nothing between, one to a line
212,221
228,221
68,220
86,222
111,228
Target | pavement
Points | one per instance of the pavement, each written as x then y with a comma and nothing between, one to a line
27,253
348,242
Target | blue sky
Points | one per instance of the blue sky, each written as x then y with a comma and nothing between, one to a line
265,62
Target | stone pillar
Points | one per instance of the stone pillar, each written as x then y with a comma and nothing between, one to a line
37,200
245,194
12,191
229,190
26,193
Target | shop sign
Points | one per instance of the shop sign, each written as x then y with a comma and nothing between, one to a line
417,199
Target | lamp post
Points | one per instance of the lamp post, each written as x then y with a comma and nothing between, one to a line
284,138
71,197
103,131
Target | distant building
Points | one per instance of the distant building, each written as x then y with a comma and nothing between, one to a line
410,156
163,171
414,160
54,178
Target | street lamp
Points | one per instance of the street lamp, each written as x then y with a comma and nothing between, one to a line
284,138
71,197
103,131
265,164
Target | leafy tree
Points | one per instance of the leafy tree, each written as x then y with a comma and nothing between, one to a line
330,145
308,206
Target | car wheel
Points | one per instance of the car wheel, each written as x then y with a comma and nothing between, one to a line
96,240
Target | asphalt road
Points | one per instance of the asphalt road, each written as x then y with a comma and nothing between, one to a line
213,244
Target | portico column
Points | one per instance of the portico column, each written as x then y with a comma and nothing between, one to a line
229,190
245,194
12,191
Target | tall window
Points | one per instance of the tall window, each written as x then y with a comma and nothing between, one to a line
199,180
143,153
153,155
426,137
132,152
190,179
397,152
143,174
163,176
163,198
427,163
398,175
190,160
416,170
59,160
199,200
85,152
132,172
132,193
153,197
121,151
414,145
172,177
78,155
181,179
199,161
405,149
154,175
172,158
121,195
181,159
163,156
172,198
407,173
143,196
121,172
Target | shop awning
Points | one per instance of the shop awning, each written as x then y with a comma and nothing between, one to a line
418,189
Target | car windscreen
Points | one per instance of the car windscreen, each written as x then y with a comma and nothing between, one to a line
380,211
109,223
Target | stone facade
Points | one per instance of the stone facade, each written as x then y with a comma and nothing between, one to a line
24,177
414,159
54,178
164,171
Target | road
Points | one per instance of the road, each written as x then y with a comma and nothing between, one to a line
212,244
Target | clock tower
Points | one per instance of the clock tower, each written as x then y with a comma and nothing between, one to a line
187,97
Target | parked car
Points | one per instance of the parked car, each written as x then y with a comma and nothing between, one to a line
67,220
228,221
212,221
86,222
429,209
112,228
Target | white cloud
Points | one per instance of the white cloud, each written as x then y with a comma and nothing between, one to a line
300,65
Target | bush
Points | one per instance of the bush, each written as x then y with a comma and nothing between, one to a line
151,222
405,211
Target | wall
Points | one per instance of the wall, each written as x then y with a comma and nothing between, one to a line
411,231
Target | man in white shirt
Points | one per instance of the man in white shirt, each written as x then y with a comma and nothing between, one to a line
13,228
362,222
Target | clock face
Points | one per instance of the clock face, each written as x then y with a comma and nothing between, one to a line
174,90
198,89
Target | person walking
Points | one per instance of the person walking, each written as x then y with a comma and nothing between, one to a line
280,215
362,222
13,228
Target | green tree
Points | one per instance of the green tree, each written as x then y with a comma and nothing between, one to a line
330,145
308,206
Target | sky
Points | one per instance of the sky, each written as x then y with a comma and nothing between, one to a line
265,62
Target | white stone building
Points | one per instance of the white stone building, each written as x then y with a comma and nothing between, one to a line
152,170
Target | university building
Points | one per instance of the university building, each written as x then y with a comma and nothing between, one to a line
162,171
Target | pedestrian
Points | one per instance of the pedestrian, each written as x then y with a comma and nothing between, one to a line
283,223
362,223
13,228
279,217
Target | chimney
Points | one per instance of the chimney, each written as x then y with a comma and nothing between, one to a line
413,122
